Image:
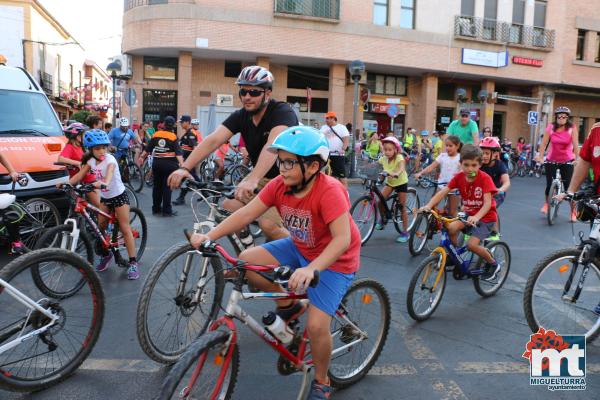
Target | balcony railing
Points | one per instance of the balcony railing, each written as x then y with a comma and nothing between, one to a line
328,9
503,32
46,81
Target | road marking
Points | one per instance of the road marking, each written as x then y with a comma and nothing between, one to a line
448,390
393,370
120,365
492,367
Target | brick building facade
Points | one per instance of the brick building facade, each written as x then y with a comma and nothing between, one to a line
499,58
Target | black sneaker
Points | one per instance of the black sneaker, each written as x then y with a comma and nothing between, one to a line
490,271
179,201
292,312
169,214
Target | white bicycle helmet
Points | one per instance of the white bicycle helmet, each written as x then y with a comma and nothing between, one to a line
255,75
195,121
124,122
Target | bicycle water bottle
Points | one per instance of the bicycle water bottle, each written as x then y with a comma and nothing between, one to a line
275,325
246,237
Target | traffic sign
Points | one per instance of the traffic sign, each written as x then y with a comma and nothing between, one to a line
130,97
532,118
392,111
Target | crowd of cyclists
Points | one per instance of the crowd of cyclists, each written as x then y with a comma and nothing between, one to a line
290,196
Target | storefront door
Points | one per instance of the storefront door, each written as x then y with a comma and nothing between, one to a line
498,126
444,118
159,104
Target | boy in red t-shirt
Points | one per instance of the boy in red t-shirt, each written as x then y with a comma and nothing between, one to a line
315,210
589,157
477,191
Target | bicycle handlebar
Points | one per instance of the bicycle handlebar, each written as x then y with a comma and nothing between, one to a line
436,183
462,217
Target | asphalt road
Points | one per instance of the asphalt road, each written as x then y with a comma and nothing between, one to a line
470,349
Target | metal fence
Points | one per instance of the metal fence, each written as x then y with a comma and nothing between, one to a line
329,9
504,32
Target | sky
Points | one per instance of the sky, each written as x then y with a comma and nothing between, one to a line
96,24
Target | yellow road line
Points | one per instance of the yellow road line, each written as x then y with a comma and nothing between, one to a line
448,390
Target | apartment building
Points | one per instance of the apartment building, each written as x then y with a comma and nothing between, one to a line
33,39
428,58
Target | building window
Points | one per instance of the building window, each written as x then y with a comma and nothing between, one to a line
446,91
303,77
467,8
387,84
380,12
518,19
490,13
407,14
597,48
580,44
539,14
160,68
581,128
317,104
233,69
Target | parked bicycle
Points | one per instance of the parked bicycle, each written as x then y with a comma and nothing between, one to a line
183,289
427,285
34,216
209,368
562,289
365,209
44,339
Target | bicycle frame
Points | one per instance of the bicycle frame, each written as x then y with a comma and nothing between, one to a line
33,306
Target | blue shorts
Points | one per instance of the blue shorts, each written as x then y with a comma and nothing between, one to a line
332,286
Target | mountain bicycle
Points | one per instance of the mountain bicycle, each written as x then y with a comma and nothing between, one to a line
147,171
561,292
427,285
177,302
209,368
34,216
365,209
44,339
557,187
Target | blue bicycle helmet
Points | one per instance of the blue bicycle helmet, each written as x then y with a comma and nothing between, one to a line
303,141
95,137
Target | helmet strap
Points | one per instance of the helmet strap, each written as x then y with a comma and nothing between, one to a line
262,105
305,182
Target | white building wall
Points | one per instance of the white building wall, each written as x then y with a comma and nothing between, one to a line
12,25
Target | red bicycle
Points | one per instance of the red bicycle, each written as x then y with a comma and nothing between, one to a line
209,368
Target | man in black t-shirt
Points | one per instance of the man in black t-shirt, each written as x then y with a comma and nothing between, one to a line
188,142
260,120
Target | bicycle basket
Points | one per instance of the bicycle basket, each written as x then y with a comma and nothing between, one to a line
369,170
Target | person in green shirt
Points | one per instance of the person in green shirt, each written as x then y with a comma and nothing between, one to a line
465,128
373,147
150,131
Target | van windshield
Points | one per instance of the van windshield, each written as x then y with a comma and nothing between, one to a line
27,113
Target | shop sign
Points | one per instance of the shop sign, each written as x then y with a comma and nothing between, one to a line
532,62
445,120
392,100
382,108
485,58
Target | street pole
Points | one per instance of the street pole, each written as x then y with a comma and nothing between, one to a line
354,117
531,139
114,100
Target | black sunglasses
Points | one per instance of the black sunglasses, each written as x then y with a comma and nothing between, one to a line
251,92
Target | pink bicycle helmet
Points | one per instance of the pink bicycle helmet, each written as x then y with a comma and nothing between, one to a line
391,139
76,128
490,142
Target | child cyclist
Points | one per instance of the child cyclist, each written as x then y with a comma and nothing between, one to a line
449,164
315,210
476,189
397,180
72,155
104,166
491,165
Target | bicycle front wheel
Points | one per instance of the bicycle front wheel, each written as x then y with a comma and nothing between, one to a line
364,214
419,234
147,173
136,177
139,229
46,275
41,214
133,200
47,358
548,298
237,174
426,288
359,330
180,297
208,370
553,203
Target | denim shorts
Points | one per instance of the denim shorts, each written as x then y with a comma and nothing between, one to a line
332,286
482,230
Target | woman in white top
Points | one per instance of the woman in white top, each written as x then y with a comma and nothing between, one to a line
104,166
449,164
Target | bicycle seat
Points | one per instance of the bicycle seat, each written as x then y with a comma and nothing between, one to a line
6,200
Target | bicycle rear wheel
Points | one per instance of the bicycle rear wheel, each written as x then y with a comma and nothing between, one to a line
168,321
136,177
139,228
41,214
501,253
46,276
547,305
419,234
207,370
47,358
133,200
553,203
359,331
364,214
147,173
424,294
412,205
237,174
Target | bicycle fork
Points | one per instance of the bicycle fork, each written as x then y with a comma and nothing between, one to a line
587,253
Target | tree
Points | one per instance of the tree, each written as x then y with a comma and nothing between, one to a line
81,116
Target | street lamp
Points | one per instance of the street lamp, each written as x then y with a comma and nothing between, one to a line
356,69
113,68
